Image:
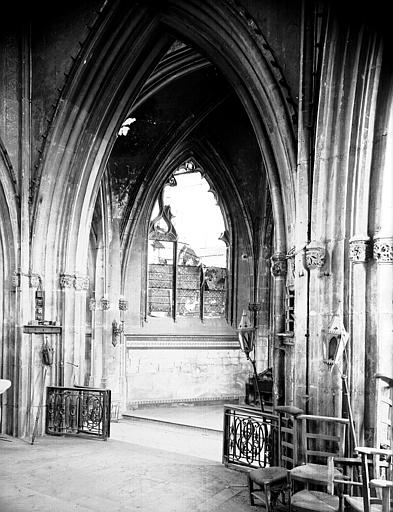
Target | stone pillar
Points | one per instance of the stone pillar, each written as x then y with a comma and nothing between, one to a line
383,254
81,284
106,334
278,271
315,259
93,355
73,291
359,255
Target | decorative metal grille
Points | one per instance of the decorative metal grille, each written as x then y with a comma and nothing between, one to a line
250,437
78,411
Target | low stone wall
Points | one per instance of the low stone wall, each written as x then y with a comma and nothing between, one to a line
190,373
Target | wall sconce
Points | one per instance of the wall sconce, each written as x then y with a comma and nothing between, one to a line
117,330
335,341
246,335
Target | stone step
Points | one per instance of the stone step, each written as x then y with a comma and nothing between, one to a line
175,423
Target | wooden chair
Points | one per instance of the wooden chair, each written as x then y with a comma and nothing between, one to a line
375,482
266,484
322,439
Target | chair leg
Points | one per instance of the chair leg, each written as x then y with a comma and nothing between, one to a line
289,492
250,489
268,497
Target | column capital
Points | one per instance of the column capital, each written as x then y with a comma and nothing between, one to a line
81,282
359,249
315,255
67,281
34,280
92,304
383,249
123,304
105,304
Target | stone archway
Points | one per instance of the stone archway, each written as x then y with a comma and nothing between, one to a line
101,88
10,296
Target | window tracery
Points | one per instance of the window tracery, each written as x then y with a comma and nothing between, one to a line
187,250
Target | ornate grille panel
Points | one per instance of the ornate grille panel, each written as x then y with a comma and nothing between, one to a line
78,411
199,291
188,277
250,437
160,289
214,303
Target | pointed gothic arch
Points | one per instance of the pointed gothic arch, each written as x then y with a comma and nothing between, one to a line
114,63
9,298
88,116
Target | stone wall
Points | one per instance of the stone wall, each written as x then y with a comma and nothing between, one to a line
184,375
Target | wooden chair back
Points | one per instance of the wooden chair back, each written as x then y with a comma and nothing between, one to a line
377,476
288,436
322,437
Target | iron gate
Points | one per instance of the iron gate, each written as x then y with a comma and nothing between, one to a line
250,437
78,410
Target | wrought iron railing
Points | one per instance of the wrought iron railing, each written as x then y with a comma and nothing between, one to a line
250,437
78,410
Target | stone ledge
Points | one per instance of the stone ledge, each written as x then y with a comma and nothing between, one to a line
143,341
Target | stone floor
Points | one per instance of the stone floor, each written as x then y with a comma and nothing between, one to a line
145,466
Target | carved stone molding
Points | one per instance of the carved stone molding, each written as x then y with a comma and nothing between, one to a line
81,282
383,250
278,265
200,342
359,249
315,256
66,281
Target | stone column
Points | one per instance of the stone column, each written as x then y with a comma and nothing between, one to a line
81,284
383,254
68,360
278,271
93,355
315,259
106,334
359,255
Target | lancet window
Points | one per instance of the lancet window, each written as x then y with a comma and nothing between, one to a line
187,249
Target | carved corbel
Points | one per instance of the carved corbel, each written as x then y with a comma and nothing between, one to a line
278,266
315,256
